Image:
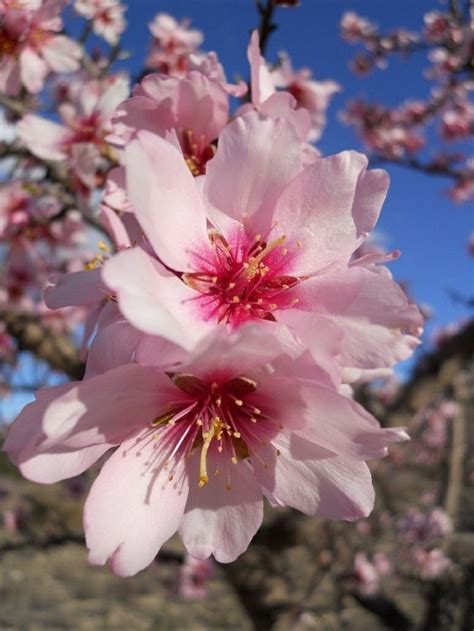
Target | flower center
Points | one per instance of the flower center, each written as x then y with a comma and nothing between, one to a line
8,44
196,152
221,419
243,280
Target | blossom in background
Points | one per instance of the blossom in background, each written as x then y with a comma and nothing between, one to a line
25,211
367,574
80,139
106,15
173,42
432,564
30,47
193,577
314,96
200,442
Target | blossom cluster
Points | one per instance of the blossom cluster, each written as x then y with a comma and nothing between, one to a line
419,535
403,134
229,313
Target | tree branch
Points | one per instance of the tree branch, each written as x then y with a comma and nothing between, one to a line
43,341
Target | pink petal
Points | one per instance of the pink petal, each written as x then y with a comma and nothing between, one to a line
43,138
133,508
50,466
260,78
343,426
106,408
113,346
379,323
250,169
33,70
75,289
219,521
166,201
115,227
250,346
324,340
315,481
25,444
283,105
62,54
154,300
329,206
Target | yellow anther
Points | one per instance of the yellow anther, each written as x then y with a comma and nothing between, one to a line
234,460
235,299
239,402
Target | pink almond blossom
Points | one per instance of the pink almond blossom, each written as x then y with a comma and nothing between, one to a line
280,246
193,577
194,107
314,96
173,43
80,139
106,16
30,47
200,443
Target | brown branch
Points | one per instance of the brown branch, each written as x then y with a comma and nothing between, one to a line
43,341
267,25
414,164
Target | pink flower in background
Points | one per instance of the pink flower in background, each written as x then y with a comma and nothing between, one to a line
24,212
193,577
200,443
194,108
280,247
86,122
418,527
173,43
368,574
433,563
314,96
355,28
106,16
30,48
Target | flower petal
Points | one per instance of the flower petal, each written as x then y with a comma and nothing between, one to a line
166,200
219,520
154,300
133,508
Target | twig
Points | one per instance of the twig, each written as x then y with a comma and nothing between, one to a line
413,163
45,343
266,26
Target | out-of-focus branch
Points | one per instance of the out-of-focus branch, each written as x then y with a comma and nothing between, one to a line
14,105
413,163
267,25
43,341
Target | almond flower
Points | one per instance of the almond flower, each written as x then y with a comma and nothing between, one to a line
199,443
80,139
106,16
194,107
263,237
30,48
173,43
